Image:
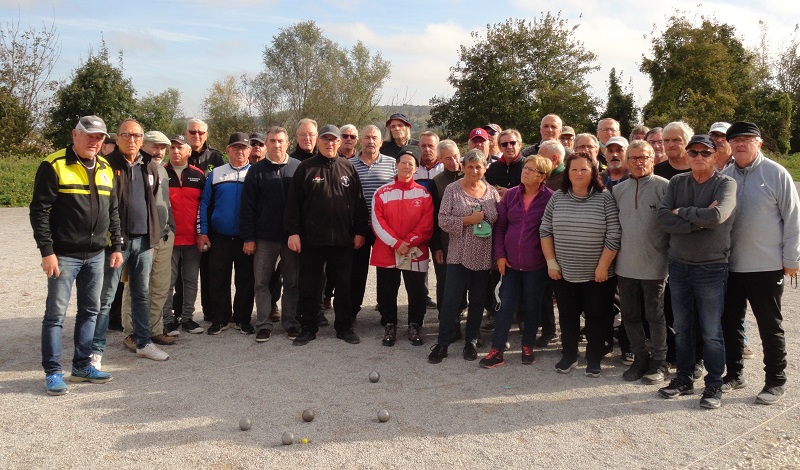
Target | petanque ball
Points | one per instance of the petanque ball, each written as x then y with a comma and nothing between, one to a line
287,438
383,416
308,415
245,424
374,376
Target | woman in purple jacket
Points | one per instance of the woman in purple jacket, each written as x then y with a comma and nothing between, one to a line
519,258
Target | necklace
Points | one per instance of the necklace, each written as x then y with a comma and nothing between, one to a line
94,162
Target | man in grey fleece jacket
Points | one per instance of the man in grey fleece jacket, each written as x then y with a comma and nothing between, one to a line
765,247
697,212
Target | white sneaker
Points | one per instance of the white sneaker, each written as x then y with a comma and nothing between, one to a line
150,351
96,360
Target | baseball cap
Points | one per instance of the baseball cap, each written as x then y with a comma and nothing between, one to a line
239,138
399,116
619,140
702,139
258,137
492,129
719,127
180,138
92,125
566,130
156,137
479,132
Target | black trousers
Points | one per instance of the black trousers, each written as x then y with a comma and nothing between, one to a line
595,300
313,261
764,291
359,273
389,284
225,254
548,319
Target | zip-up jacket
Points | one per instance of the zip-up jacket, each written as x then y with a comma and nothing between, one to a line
163,206
70,215
266,187
222,198
516,232
402,212
326,205
150,178
503,174
184,196
206,159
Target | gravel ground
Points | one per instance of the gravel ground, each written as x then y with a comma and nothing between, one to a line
184,413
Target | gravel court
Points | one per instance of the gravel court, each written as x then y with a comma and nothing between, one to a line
185,412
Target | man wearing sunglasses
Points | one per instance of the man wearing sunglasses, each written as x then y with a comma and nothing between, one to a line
258,149
349,141
203,156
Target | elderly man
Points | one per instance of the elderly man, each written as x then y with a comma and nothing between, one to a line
724,155
398,128
697,212
567,137
642,264
186,183
617,170
257,147
429,166
74,253
220,234
654,138
506,173
109,144
675,135
550,129
138,194
261,222
306,136
765,247
589,144
349,141
638,132
326,217
606,129
554,151
494,148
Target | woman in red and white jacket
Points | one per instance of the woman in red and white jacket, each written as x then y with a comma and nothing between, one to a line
402,218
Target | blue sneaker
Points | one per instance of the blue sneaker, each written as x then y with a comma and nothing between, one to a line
54,384
89,374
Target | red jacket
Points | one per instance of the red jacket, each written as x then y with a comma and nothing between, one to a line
401,212
184,196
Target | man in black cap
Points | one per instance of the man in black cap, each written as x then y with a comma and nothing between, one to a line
257,147
697,212
326,219
399,134
765,247
219,234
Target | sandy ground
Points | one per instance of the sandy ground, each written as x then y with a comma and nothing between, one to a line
184,413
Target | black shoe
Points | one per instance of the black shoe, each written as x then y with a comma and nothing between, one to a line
593,368
770,395
566,364
192,327
245,328
389,334
263,335
429,303
292,332
637,370
731,384
173,328
470,352
677,386
493,359
321,320
217,328
115,326
305,337
438,352
656,373
712,398
698,371
527,355
413,335
544,340
348,336
457,335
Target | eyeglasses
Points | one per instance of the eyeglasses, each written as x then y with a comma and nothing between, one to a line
702,153
655,142
529,169
306,136
349,136
607,129
511,143
639,159
743,140
197,132
128,135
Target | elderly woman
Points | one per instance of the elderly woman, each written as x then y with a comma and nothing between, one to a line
520,260
467,211
580,237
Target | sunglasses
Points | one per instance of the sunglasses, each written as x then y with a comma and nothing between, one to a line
197,132
256,144
702,153
349,136
512,143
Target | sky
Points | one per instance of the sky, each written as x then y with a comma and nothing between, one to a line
187,44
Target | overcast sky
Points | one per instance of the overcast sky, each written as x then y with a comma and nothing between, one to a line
187,44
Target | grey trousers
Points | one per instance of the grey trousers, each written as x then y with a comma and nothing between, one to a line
633,295
187,259
264,261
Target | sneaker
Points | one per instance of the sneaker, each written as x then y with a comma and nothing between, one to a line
566,364
389,334
628,358
770,395
729,385
712,398
192,327
245,328
164,340
173,328
327,303
747,353
677,386
699,370
413,335
321,320
348,336
527,355
429,303
129,343
637,369
292,332
438,352
217,328
263,335
150,351
54,384
89,374
470,352
493,359
544,340
593,369
656,373
96,360
488,325
275,314
304,338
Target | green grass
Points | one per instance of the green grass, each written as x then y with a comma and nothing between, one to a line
16,179
790,162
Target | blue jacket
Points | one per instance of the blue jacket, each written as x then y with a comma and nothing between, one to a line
222,197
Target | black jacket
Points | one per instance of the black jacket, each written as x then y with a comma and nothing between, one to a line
206,159
505,176
266,187
301,155
326,205
390,147
151,177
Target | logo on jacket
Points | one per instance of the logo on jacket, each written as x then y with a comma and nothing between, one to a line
345,181
417,203
104,179
318,179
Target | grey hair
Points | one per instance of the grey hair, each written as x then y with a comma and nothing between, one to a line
369,128
554,146
684,128
446,144
475,155
306,121
197,121
348,127
588,136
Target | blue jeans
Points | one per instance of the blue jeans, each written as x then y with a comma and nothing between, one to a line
525,287
138,258
88,277
702,286
459,280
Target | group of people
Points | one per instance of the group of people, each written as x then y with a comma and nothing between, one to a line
676,231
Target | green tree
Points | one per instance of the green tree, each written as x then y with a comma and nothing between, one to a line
787,77
620,104
514,74
97,87
162,112
224,112
14,123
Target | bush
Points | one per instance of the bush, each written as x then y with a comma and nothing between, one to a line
17,174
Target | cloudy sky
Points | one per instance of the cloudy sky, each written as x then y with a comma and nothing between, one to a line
187,44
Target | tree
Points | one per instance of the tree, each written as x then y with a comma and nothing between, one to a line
162,112
620,104
223,111
14,122
515,74
787,77
98,88
27,59
308,75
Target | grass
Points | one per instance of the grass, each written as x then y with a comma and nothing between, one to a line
790,162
